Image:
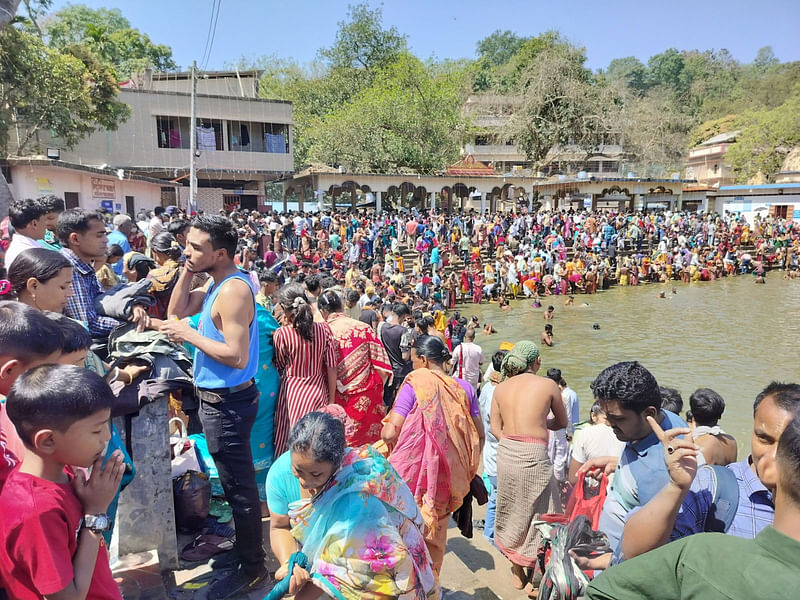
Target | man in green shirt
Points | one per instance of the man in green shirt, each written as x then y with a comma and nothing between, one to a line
712,566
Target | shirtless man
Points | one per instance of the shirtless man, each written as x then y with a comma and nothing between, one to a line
224,367
718,447
525,484
547,335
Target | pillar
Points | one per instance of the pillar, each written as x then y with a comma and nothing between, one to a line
146,514
483,202
301,196
285,201
378,202
433,200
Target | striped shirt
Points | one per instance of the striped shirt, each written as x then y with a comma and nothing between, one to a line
304,378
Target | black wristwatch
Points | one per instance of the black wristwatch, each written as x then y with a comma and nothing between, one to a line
97,523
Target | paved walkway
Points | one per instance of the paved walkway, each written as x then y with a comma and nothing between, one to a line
473,569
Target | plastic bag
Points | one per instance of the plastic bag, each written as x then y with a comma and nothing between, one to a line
192,495
184,457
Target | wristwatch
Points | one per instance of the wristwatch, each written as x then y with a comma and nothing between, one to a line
97,523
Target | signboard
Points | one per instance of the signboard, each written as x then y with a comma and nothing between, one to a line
103,189
587,202
43,185
107,205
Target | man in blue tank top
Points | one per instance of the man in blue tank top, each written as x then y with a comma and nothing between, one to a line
224,367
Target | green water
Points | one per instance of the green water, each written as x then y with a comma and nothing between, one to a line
731,335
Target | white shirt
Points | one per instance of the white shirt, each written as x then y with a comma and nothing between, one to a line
594,441
490,445
570,399
19,243
156,227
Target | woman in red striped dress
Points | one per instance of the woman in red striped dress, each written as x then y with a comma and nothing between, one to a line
306,356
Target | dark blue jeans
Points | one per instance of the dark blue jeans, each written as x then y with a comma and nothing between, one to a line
227,426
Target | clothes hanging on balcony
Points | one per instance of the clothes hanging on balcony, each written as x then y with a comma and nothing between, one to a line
244,137
275,143
174,138
206,138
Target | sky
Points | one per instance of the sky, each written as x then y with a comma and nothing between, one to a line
450,28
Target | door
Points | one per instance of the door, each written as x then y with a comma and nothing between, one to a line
71,200
129,207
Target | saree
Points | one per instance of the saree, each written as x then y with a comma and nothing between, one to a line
437,453
363,533
359,387
268,384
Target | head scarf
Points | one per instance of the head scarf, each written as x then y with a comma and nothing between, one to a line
520,358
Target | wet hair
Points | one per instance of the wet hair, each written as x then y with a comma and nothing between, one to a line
115,250
26,333
549,329
166,243
292,297
75,220
330,301
55,397
312,283
497,359
785,395
788,458
321,435
52,203
76,336
706,406
671,400
553,373
23,212
551,308
220,230
630,384
40,263
432,348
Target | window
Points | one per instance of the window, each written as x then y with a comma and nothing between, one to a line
248,136
716,168
172,132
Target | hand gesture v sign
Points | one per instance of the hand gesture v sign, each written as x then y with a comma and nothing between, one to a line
680,455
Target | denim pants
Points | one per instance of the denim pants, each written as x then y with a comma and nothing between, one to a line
227,426
491,511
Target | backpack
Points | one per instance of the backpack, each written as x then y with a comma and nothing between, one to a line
725,499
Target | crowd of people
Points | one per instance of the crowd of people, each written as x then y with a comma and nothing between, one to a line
341,395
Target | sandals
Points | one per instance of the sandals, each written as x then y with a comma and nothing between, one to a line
204,546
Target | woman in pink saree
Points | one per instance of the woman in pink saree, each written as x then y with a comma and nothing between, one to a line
435,434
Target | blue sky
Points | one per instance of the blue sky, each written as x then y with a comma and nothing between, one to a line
449,29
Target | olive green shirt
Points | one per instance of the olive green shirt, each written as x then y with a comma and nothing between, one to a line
707,566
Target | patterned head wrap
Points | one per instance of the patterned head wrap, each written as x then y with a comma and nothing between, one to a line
520,358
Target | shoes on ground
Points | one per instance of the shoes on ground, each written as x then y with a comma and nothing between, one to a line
239,582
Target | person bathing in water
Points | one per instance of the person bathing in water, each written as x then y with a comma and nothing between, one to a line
547,335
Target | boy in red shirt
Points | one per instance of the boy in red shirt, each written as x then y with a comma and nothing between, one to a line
51,542
27,339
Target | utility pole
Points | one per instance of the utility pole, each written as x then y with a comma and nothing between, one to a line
192,204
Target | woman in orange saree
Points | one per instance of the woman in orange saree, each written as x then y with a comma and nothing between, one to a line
434,433
362,370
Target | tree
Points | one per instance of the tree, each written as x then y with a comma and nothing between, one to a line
362,42
70,93
765,59
8,8
110,36
654,131
407,121
559,107
666,69
766,137
629,71
499,47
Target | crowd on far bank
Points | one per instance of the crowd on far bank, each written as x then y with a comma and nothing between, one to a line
323,385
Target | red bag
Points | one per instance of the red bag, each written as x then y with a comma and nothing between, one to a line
587,499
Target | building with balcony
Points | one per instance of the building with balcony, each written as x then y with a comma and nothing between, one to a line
490,113
243,141
706,162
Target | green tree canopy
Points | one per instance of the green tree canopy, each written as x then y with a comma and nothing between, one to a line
499,47
407,120
70,93
765,139
110,36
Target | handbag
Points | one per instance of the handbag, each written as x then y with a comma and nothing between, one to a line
184,456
